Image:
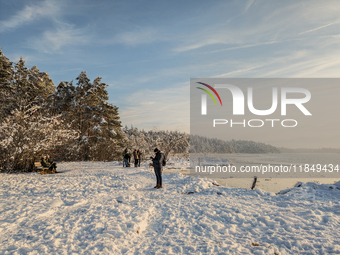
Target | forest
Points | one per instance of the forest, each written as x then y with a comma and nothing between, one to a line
74,121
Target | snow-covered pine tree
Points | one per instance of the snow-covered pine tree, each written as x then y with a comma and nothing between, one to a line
6,77
62,102
82,114
43,84
95,119
30,86
105,136
27,133
28,129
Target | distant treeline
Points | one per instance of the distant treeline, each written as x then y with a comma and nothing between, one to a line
305,150
200,144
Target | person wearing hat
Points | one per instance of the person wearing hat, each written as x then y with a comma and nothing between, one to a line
158,165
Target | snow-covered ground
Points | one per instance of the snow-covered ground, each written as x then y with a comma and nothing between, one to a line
103,208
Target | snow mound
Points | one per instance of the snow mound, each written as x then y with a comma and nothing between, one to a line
314,190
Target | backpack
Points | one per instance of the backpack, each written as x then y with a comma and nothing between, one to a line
163,161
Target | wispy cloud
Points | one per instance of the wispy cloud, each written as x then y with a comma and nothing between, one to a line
197,45
298,64
272,23
248,5
53,40
318,28
237,72
136,37
30,13
241,47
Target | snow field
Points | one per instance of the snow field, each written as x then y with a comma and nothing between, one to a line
103,208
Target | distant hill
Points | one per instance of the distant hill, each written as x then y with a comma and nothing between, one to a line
200,144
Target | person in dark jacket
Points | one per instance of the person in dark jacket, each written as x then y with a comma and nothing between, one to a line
135,157
52,167
127,159
158,167
123,154
139,153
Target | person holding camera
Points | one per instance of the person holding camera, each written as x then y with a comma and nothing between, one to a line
158,167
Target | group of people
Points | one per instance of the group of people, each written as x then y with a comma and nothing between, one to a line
137,156
46,161
158,161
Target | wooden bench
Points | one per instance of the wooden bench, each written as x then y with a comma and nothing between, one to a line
43,170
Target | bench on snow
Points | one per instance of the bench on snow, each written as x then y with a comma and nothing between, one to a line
42,169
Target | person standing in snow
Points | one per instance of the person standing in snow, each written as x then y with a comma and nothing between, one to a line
139,153
135,157
158,167
127,159
123,154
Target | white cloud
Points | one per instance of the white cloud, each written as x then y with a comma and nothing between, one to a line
242,47
320,27
54,40
200,44
299,64
51,40
249,4
136,37
30,12
236,72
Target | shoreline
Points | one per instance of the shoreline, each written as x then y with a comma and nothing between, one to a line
266,184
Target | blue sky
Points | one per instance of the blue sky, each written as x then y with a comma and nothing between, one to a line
147,51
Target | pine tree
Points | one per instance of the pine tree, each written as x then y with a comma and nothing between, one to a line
62,101
96,120
30,87
43,84
6,77
105,126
